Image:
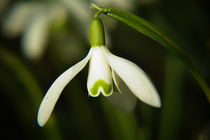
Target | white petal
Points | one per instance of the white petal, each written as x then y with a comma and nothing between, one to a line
99,77
17,18
135,78
56,88
124,100
36,34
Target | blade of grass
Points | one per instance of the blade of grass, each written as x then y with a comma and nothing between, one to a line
23,74
170,120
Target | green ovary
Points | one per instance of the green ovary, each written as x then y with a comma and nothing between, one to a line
101,83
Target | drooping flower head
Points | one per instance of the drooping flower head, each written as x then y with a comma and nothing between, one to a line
104,69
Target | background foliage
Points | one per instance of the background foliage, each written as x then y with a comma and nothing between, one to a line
60,28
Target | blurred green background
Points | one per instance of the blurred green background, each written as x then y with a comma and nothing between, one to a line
41,39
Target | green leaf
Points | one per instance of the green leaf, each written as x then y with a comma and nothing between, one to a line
155,33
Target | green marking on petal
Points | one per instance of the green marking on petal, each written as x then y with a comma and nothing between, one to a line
101,83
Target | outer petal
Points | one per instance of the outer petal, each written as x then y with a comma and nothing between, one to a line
56,88
17,18
36,34
135,79
99,77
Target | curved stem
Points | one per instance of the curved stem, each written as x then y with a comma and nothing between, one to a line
96,6
101,10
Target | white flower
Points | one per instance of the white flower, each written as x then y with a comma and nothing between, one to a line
100,80
103,70
34,20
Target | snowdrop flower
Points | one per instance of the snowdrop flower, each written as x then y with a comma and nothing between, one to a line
34,20
103,67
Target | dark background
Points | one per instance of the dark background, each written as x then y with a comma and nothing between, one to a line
24,80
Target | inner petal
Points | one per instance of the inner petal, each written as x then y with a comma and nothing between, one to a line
101,86
99,77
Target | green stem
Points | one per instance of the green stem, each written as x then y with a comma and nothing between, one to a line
170,120
96,6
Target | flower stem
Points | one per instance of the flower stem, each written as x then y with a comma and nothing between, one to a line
96,6
101,10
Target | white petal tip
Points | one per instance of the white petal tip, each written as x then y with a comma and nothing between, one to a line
91,95
156,103
40,122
